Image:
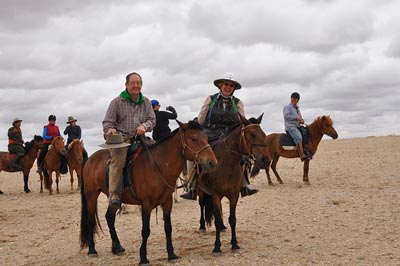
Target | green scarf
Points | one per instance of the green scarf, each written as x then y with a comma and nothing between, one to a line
125,95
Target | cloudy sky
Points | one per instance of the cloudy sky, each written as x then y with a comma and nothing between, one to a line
71,58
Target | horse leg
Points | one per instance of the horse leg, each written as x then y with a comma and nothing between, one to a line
202,228
41,182
232,221
50,173
116,247
167,207
218,223
72,177
145,235
57,181
269,176
273,167
305,171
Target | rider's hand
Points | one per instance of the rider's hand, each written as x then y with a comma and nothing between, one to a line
140,130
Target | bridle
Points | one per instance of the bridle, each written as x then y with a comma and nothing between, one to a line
196,153
322,132
245,143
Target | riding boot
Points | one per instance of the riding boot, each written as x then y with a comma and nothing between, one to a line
307,153
300,151
245,190
26,188
191,193
64,165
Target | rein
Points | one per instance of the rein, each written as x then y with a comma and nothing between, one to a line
244,141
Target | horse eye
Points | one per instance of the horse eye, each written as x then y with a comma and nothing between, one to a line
193,139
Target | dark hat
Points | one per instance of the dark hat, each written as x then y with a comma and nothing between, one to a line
154,102
295,95
71,119
114,141
228,77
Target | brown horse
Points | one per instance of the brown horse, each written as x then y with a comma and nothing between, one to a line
75,160
52,163
322,125
31,150
153,182
246,140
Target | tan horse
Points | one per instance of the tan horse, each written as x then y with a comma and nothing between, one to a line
75,160
322,125
31,150
152,183
52,163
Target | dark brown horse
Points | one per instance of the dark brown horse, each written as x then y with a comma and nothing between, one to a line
152,183
246,140
322,125
52,163
31,150
75,160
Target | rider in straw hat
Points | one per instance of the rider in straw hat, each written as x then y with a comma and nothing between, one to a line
219,116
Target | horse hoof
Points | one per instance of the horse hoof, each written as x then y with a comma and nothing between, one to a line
307,183
236,249
144,263
271,184
216,251
92,253
202,231
223,229
173,257
117,249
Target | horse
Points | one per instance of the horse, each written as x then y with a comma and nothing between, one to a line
75,160
246,140
322,125
52,163
153,178
31,149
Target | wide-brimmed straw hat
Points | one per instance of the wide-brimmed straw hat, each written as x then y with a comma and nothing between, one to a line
71,119
16,120
114,141
228,77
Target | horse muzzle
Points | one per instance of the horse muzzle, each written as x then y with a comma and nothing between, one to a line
209,165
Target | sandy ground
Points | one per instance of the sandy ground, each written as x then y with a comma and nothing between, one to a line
349,215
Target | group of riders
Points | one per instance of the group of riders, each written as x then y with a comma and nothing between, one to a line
131,115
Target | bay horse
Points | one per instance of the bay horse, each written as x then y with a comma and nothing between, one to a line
246,140
52,163
75,161
31,149
322,125
153,182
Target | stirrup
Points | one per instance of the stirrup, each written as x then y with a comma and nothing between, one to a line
189,195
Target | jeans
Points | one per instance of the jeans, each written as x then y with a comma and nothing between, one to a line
294,132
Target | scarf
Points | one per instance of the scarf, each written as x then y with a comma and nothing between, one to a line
125,95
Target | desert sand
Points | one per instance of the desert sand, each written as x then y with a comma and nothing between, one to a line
349,215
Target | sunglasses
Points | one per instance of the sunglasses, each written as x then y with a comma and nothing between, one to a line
228,84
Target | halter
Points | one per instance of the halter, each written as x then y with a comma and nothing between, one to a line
322,132
244,141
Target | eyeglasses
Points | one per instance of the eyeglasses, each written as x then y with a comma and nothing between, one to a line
228,84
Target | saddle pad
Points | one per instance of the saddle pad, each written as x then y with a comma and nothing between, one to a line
286,140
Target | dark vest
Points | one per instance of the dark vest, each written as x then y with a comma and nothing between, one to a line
219,120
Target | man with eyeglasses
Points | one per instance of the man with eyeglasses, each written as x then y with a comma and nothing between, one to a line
129,114
218,117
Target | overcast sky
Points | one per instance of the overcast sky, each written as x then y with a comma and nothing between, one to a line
71,58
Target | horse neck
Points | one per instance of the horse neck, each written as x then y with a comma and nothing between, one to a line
173,163
315,136
232,144
31,154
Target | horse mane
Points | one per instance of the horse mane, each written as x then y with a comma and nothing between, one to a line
29,145
191,125
72,143
328,119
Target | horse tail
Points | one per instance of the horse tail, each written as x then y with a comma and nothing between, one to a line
89,220
209,208
46,179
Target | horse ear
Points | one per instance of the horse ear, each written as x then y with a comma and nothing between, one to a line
244,120
323,118
259,118
179,123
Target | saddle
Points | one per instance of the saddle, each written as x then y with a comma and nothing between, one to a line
287,142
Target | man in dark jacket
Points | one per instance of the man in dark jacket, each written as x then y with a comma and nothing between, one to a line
15,143
162,130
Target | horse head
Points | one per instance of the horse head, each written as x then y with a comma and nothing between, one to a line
252,141
196,147
325,124
38,141
58,145
75,148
